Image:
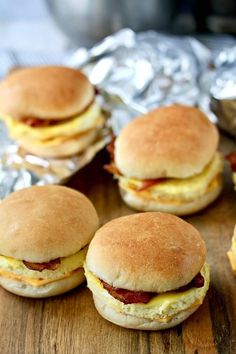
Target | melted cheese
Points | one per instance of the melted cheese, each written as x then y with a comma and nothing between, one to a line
162,307
179,189
232,255
90,119
15,269
234,179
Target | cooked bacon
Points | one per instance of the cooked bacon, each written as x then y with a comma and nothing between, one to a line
38,123
52,265
147,183
134,297
198,281
232,159
127,296
112,169
111,148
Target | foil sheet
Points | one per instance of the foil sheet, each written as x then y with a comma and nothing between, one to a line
133,73
218,89
144,71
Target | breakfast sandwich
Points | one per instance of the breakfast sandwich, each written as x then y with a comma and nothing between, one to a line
232,252
44,237
50,111
167,160
147,271
232,160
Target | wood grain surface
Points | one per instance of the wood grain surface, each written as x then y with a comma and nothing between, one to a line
70,323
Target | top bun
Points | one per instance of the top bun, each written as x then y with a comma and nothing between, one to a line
175,141
39,224
150,251
50,92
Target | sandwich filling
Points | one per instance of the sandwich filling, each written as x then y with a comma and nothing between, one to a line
232,159
174,190
232,255
39,274
160,307
56,132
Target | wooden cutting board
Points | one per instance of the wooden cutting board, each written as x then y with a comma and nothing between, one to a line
70,323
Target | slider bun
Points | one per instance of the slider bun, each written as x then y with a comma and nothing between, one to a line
175,141
49,92
42,223
55,288
65,148
185,208
151,251
129,321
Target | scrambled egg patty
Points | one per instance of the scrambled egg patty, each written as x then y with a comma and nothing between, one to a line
85,121
15,269
162,307
182,189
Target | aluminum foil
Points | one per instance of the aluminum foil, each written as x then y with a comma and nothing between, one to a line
133,73
146,70
218,89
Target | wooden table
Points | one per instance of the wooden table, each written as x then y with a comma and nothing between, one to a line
70,323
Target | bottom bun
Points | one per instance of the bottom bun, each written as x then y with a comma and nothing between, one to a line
133,322
66,148
185,208
55,288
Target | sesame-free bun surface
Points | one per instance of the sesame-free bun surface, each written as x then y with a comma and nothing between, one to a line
128,321
176,141
150,251
52,289
187,207
47,92
42,223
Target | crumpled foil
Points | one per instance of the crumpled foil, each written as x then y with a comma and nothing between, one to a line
133,73
146,70
218,89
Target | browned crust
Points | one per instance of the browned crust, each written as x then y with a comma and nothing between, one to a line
39,224
150,251
49,92
175,141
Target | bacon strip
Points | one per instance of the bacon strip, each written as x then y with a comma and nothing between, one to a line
134,297
147,183
127,296
36,123
112,169
111,148
232,159
52,265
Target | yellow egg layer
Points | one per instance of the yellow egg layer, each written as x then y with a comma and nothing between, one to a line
179,189
62,139
15,269
163,307
89,119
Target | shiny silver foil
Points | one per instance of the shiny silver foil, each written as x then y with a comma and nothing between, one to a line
133,73
144,71
218,89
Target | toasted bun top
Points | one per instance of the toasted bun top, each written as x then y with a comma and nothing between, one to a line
146,252
175,141
39,224
50,92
